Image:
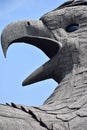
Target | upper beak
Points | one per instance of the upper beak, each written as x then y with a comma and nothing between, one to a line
37,34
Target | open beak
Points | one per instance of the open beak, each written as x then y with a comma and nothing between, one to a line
37,34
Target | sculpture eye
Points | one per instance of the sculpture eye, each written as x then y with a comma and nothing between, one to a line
72,27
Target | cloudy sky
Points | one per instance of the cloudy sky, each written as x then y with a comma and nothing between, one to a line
22,59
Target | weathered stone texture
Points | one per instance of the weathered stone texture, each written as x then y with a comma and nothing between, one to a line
66,107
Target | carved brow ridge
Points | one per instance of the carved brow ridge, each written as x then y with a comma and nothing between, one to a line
71,3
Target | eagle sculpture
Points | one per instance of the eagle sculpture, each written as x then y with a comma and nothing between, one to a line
62,35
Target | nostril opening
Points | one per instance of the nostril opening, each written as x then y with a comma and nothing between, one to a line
28,23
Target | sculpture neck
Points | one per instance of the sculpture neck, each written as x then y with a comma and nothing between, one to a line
72,71
73,86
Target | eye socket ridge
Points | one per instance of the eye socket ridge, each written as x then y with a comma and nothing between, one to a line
72,27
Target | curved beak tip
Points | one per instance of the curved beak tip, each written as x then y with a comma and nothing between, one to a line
4,49
5,55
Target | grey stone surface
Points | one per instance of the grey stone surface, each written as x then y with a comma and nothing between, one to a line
66,107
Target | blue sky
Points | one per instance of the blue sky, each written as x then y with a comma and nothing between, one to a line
22,59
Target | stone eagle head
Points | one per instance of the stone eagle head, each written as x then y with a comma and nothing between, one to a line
58,34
